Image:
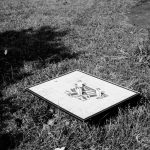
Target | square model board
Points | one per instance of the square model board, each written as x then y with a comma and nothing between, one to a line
82,95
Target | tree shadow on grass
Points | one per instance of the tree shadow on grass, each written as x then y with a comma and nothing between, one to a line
8,140
42,45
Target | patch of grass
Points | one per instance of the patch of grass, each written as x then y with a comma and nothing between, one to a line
47,38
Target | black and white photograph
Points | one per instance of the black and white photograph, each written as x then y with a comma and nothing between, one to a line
74,74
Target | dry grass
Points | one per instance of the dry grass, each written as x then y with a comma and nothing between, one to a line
91,35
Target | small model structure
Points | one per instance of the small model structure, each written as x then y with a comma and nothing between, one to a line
81,94
84,92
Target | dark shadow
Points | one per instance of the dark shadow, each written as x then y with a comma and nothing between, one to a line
10,140
44,45
7,108
101,119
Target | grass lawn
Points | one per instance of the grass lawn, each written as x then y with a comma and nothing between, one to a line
41,39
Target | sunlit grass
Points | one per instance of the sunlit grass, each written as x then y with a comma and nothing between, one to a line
107,46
